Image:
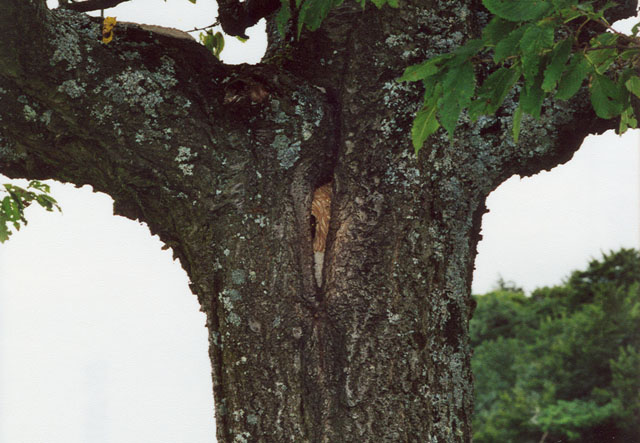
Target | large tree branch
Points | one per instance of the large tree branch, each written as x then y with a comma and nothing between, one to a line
149,118
235,16
90,5
545,142
81,89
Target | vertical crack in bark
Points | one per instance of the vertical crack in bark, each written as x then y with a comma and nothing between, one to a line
320,217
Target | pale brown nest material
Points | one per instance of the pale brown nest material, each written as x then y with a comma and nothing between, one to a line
321,210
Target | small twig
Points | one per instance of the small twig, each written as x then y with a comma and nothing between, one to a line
579,30
618,47
216,23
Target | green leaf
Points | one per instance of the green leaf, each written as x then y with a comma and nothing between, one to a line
531,97
35,184
426,122
207,39
4,232
419,72
633,85
606,97
463,53
604,39
213,42
12,206
626,74
517,10
510,45
628,54
7,208
493,91
559,4
586,7
380,3
192,1
218,44
570,14
534,42
573,77
423,70
557,65
313,12
627,120
47,202
495,31
282,18
424,125
517,119
458,87
601,59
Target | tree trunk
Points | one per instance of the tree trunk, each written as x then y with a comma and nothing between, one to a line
222,162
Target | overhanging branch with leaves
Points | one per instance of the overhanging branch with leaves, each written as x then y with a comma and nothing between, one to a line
542,49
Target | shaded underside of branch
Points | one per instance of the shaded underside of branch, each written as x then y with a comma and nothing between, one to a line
90,5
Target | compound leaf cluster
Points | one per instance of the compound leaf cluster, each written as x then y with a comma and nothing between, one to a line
16,200
213,42
538,47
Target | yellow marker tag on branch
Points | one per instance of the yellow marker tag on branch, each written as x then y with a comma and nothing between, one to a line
107,29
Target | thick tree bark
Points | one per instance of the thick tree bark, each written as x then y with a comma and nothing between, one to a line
222,161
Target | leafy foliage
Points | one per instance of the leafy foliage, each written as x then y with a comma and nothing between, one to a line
310,14
213,42
563,362
538,47
12,206
541,47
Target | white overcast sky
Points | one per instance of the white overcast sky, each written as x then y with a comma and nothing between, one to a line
102,342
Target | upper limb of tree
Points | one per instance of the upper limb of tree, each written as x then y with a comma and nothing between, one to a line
90,5
543,49
116,115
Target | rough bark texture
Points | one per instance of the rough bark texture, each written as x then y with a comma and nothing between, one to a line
222,162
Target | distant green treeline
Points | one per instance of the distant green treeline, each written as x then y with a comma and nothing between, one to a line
562,365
